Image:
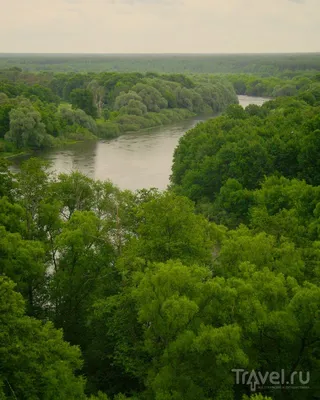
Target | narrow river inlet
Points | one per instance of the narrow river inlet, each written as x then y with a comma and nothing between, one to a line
132,161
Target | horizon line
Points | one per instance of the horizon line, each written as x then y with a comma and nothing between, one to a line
163,54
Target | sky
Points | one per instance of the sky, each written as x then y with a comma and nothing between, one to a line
159,26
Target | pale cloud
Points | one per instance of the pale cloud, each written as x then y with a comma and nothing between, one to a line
159,26
73,1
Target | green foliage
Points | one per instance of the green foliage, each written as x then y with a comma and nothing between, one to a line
26,128
5,109
44,110
22,261
98,93
124,99
161,302
175,65
35,361
42,93
6,179
83,99
162,299
285,84
247,145
134,107
169,229
78,117
151,97
107,129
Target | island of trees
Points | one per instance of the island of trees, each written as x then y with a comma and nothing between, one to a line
149,295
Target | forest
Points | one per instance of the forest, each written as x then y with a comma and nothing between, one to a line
261,64
45,110
159,295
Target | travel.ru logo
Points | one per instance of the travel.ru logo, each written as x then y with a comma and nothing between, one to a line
272,380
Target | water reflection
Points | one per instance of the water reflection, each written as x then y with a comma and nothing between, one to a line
80,157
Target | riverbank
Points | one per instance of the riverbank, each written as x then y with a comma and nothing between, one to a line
85,107
60,143
132,161
126,123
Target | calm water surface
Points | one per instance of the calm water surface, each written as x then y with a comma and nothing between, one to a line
133,161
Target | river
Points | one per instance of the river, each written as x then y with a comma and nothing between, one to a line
132,161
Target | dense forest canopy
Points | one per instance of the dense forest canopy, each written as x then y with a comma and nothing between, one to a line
267,64
149,295
280,137
162,302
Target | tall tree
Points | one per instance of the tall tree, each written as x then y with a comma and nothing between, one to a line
35,361
83,99
26,127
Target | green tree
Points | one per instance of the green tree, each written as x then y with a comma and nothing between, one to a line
26,128
35,361
71,119
124,98
23,262
6,179
33,190
168,228
82,267
83,99
187,355
232,204
151,97
134,107
308,158
98,93
5,109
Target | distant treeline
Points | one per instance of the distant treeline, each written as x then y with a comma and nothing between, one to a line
264,64
252,85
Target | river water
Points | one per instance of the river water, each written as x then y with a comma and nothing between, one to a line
132,161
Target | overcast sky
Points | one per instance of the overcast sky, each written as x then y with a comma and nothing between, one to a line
159,26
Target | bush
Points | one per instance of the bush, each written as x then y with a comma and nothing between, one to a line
77,132
130,128
108,130
6,147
